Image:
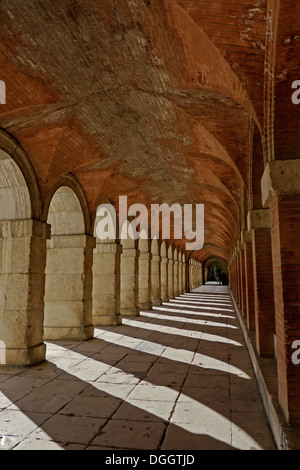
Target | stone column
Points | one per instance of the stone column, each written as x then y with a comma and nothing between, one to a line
205,274
156,280
238,272
106,284
176,269
191,274
68,293
199,274
129,282
22,282
164,274
171,294
195,274
145,259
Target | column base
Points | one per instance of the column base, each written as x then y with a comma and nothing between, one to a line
130,312
68,333
23,357
156,302
146,305
107,320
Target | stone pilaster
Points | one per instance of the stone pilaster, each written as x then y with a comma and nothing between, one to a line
106,284
68,293
129,282
22,288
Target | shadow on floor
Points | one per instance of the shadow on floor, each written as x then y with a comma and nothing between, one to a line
151,383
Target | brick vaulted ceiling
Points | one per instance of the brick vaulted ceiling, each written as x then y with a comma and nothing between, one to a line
153,99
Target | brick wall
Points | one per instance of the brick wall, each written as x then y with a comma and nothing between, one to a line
263,291
285,226
249,280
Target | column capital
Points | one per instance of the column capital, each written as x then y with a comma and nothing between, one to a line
258,219
24,228
281,177
127,252
145,255
73,241
109,248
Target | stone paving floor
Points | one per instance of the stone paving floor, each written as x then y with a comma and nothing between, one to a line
176,378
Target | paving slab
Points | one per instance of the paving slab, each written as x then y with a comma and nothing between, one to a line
131,435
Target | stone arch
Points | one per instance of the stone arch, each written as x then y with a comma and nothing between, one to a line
72,187
15,196
212,264
65,213
68,287
129,302
104,226
10,147
171,293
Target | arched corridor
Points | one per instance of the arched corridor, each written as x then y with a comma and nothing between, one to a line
149,224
